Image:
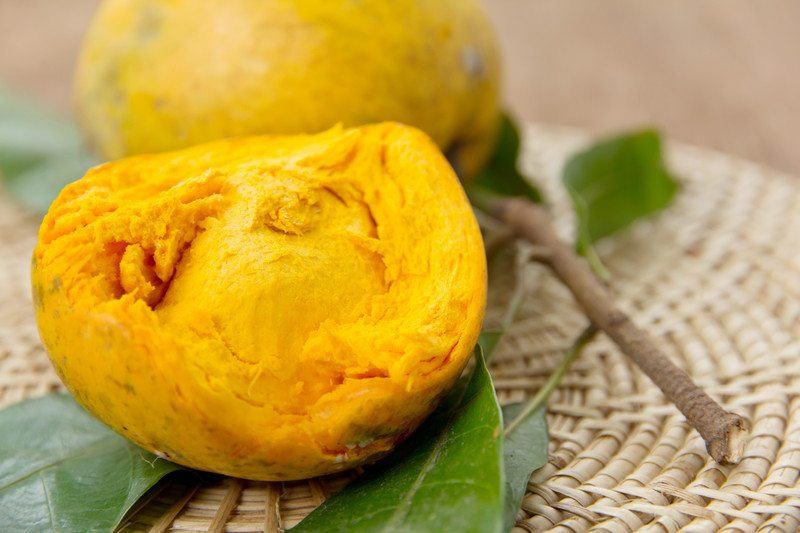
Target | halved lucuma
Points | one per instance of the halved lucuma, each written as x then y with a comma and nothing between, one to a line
267,307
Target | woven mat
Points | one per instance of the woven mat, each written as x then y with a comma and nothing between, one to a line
716,279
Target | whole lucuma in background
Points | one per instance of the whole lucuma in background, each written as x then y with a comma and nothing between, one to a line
147,83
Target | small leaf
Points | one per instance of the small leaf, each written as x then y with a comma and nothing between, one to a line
501,175
39,153
616,182
524,451
62,470
447,476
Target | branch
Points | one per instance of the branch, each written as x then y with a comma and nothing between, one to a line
725,433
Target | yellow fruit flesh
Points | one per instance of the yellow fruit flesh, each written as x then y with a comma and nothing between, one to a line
158,75
266,307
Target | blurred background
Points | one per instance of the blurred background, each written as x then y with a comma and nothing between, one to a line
721,73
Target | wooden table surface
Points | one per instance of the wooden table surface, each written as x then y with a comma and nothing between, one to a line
722,73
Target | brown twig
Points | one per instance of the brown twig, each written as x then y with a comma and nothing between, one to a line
725,433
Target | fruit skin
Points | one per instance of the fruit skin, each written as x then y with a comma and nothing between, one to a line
269,307
158,75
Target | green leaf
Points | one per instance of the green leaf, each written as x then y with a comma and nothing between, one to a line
616,182
39,153
501,175
447,476
62,470
524,451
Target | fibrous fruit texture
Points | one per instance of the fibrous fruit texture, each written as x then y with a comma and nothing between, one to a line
265,307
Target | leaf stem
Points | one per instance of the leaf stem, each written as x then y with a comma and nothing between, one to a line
541,396
584,245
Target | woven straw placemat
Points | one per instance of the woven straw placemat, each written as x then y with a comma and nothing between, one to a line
716,279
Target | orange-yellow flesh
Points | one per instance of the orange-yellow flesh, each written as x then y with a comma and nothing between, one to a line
265,307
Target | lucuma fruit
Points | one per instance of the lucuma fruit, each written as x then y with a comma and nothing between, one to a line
158,75
264,307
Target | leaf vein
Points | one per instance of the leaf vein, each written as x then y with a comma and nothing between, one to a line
99,443
50,511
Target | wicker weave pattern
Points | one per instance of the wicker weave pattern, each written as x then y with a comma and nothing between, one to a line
716,279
